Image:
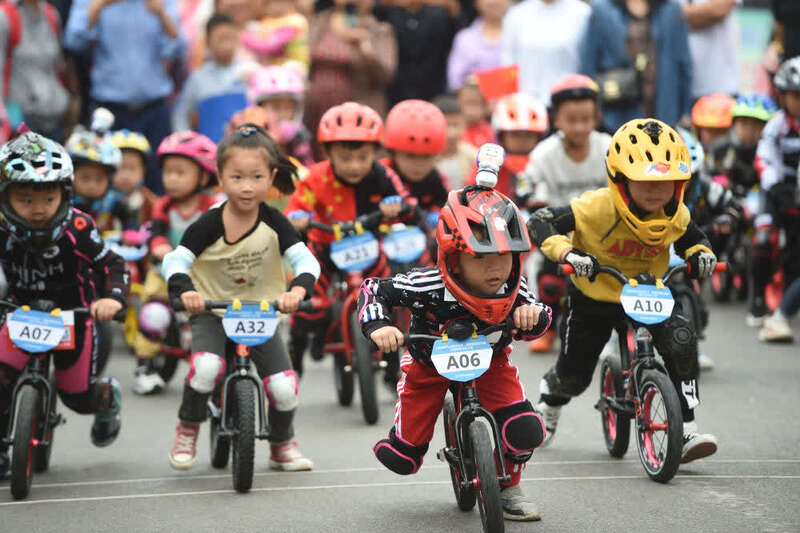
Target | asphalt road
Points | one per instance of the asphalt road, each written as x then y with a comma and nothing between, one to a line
751,484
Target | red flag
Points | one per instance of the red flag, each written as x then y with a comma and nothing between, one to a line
497,82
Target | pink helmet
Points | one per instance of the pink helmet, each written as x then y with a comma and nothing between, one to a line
270,82
519,112
193,145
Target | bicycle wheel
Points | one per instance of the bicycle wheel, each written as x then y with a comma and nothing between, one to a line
41,453
343,380
220,446
244,420
465,498
25,435
616,427
659,426
486,475
364,365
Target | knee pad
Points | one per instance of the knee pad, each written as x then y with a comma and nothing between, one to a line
398,455
551,288
154,320
678,342
521,430
206,370
281,389
566,386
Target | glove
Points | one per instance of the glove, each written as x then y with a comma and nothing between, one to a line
432,220
701,264
394,199
585,265
298,214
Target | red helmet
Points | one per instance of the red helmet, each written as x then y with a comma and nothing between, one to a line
503,231
519,112
350,122
193,145
573,87
713,111
416,127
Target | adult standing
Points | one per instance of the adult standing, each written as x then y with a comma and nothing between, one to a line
477,46
714,45
641,48
131,41
353,58
543,37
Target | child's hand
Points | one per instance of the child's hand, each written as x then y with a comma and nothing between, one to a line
290,300
161,250
526,317
391,206
104,309
193,302
388,338
299,220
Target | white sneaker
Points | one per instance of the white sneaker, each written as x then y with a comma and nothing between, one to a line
287,457
696,445
147,381
184,450
754,321
550,415
517,506
776,329
705,362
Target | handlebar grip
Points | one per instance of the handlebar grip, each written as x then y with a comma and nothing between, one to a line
566,269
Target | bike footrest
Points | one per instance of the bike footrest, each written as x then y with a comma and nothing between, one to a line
620,406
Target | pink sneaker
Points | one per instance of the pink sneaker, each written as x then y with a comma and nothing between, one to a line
288,458
184,451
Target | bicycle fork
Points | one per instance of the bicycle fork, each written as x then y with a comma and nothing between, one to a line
34,375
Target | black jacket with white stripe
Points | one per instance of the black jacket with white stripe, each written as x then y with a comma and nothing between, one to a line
432,307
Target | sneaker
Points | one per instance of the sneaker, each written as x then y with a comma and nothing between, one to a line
696,445
5,464
517,506
705,362
776,329
543,344
106,419
756,313
287,457
550,415
147,381
184,450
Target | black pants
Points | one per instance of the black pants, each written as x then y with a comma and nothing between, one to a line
586,329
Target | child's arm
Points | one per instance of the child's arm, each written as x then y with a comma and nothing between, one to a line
301,204
531,318
769,163
177,263
378,297
695,248
548,228
305,266
159,244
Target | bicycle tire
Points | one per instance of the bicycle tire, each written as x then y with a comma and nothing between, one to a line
364,364
486,473
343,381
42,453
243,445
660,465
616,427
220,446
25,431
465,498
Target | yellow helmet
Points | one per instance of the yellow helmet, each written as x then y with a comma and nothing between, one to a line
647,149
131,140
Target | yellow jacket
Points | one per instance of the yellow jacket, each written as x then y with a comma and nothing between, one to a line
597,229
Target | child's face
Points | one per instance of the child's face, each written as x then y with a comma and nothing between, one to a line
246,178
37,208
414,167
709,136
791,101
351,165
284,107
492,10
473,106
131,172
181,176
484,274
651,195
91,181
222,43
748,130
576,119
519,142
455,129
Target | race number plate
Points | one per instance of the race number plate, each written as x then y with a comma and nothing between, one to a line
249,326
405,245
462,360
355,253
647,304
35,331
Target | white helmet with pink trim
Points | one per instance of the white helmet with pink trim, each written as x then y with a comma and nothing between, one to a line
276,81
519,112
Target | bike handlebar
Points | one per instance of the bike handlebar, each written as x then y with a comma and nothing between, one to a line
565,269
177,305
370,221
505,326
119,317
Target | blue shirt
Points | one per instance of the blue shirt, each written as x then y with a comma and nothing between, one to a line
129,48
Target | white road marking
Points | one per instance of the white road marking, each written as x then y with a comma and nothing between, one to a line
371,486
